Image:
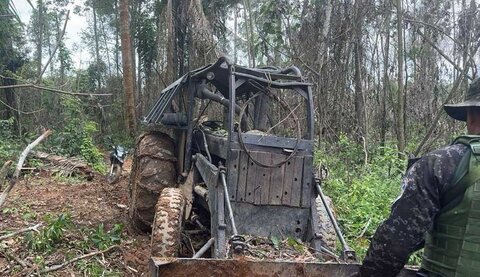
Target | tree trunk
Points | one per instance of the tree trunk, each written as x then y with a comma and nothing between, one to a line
11,101
138,78
400,93
359,91
180,29
97,48
171,66
39,41
322,82
61,48
235,18
117,43
386,81
107,49
128,81
249,30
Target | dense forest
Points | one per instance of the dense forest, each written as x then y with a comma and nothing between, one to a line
380,73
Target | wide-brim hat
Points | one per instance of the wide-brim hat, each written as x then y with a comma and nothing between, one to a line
472,99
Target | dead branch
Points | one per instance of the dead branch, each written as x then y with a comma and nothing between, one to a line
54,90
439,113
432,26
11,256
55,49
19,111
445,56
21,160
3,172
27,150
24,230
57,267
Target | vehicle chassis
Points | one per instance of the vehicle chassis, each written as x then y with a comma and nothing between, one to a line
276,200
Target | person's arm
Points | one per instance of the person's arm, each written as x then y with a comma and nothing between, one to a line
411,217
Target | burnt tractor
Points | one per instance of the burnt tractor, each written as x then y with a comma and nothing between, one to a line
230,151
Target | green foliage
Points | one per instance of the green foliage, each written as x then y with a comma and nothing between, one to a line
94,268
120,139
24,211
35,162
274,19
39,261
275,241
69,180
6,127
217,13
416,257
144,34
65,55
104,239
85,81
362,193
295,244
11,41
96,73
76,138
88,150
10,211
29,215
9,144
51,235
99,238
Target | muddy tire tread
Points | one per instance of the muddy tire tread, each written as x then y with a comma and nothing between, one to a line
153,169
327,231
167,224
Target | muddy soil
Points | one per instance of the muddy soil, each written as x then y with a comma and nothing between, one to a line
89,204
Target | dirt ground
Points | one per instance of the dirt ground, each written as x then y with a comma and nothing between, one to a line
89,204
40,195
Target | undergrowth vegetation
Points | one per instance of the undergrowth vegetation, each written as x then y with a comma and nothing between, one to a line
60,235
8,142
76,136
362,187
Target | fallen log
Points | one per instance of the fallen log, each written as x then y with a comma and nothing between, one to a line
28,229
21,160
66,166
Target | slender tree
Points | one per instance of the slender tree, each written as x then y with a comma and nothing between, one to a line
40,30
400,80
128,80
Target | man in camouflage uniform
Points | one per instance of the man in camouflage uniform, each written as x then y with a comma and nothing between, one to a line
423,189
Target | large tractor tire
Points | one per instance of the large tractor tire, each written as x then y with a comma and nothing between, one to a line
153,169
327,231
167,225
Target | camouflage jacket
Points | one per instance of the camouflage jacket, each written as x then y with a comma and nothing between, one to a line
413,212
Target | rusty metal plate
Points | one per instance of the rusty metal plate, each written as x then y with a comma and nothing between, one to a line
239,268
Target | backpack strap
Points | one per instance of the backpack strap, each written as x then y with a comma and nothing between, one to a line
465,175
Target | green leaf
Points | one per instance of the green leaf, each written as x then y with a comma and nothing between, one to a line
275,241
